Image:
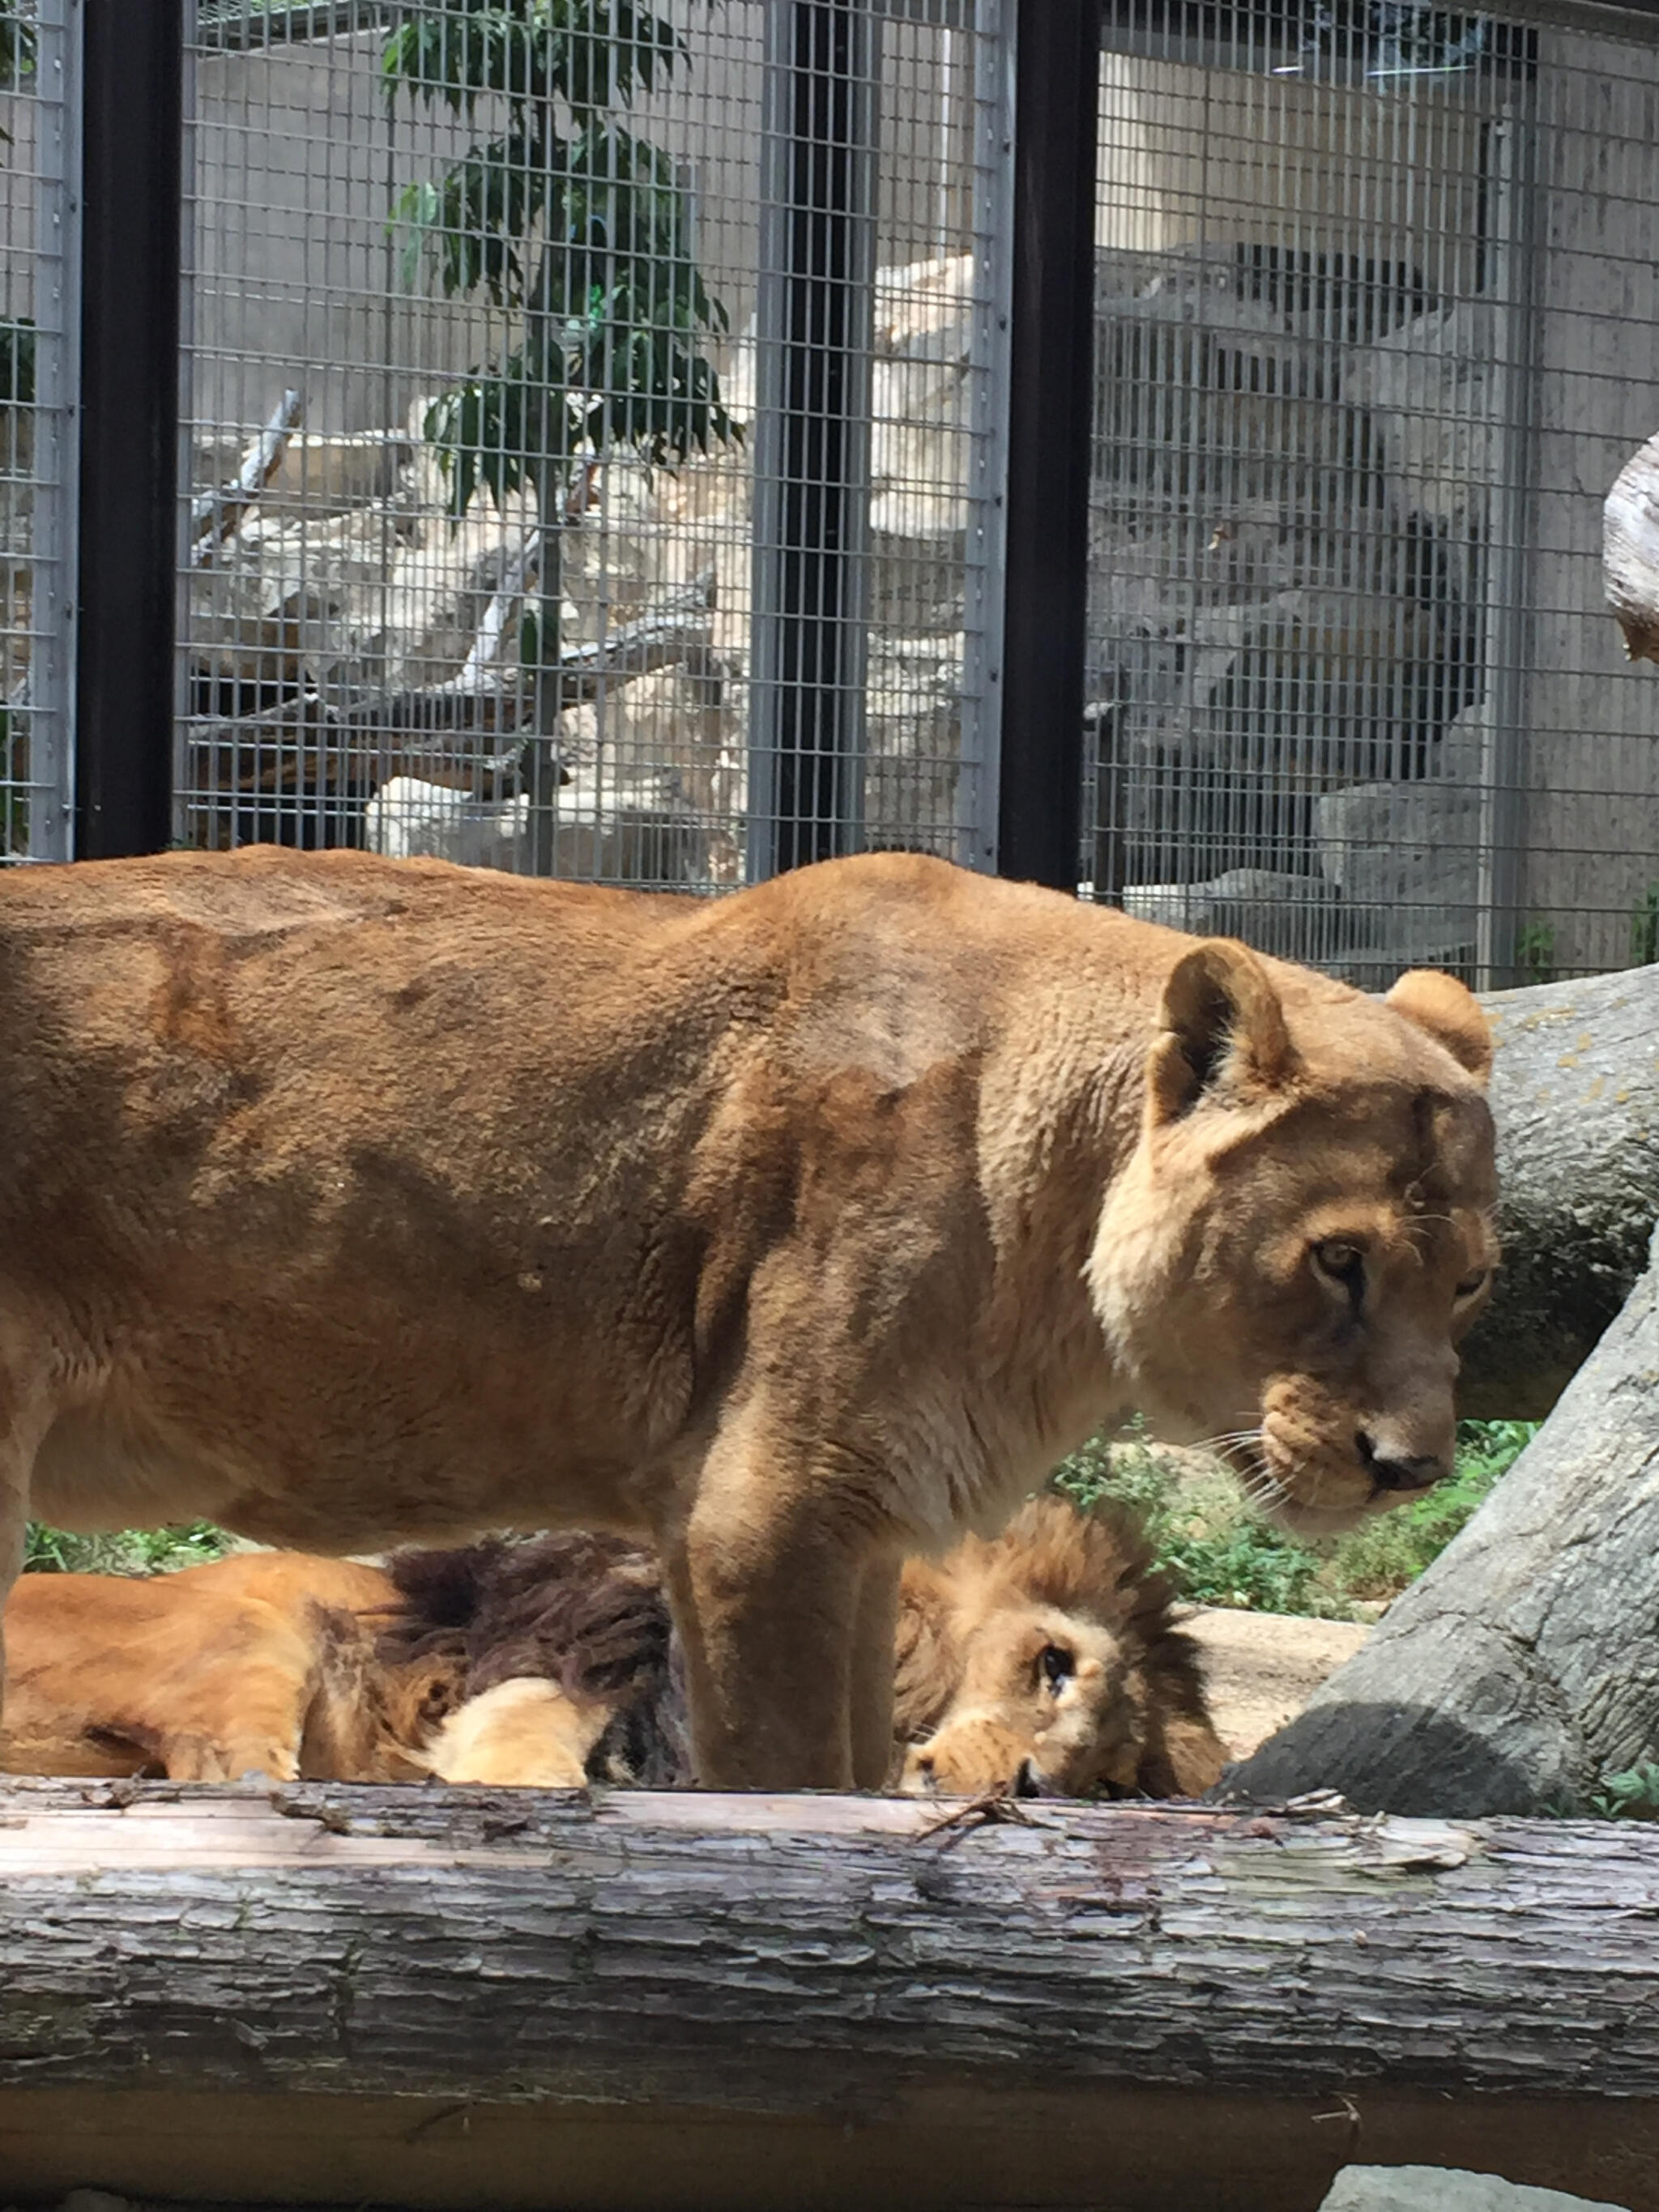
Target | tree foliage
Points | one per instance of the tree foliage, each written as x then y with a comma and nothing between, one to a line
571,221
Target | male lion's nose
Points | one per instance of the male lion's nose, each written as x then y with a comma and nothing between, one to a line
1396,1470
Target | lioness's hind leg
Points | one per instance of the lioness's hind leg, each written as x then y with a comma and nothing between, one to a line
22,1426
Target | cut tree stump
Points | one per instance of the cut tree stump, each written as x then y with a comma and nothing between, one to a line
1523,1667
1575,1088
513,1998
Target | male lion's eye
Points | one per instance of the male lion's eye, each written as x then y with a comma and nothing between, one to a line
1342,1263
1470,1283
1058,1665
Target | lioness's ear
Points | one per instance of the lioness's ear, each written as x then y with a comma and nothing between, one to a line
1220,1015
1450,1014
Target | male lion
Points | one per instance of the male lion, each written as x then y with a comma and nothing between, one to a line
1046,1662
345,1198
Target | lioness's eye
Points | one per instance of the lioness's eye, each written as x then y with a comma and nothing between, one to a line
1470,1283
1342,1263
1058,1665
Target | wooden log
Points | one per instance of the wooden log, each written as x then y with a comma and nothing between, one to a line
1576,1092
1079,2006
216,516
1523,1667
1630,551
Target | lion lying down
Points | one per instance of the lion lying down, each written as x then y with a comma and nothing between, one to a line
1044,1660
347,1201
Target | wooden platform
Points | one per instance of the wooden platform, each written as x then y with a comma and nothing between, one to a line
505,1999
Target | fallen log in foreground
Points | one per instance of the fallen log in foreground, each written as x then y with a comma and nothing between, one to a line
1522,1668
449,1997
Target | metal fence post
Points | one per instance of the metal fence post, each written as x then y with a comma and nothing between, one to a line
133,79
1057,94
985,563
49,704
814,331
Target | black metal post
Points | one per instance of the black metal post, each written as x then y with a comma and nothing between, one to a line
1051,368
812,461
133,73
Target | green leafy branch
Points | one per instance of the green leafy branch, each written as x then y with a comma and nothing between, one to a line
574,222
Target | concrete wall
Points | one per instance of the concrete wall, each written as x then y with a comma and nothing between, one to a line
1504,422
1589,719
298,161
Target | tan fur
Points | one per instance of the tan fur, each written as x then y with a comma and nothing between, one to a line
257,1664
523,1733
1122,1710
344,1200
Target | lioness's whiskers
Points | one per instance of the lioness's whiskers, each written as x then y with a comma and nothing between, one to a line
1232,1441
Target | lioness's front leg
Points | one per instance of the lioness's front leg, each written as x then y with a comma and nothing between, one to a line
768,1586
873,1673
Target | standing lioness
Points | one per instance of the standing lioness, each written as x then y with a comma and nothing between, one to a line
346,1199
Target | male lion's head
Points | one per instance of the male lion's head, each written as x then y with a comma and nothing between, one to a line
1303,1230
1044,1662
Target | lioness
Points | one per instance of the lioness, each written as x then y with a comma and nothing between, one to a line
345,1200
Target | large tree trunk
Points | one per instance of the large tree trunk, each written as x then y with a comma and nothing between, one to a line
537,1998
1576,1091
1630,551
1524,1666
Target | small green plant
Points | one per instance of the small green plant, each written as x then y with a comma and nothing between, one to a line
1645,930
1631,1796
16,46
1535,951
125,1552
1218,1551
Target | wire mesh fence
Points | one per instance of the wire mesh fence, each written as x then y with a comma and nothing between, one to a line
592,428
1375,307
38,117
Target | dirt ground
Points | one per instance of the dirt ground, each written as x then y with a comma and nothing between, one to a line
1262,1668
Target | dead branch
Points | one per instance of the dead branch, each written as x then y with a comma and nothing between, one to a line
476,701
216,516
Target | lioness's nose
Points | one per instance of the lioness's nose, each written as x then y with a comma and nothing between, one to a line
1396,1470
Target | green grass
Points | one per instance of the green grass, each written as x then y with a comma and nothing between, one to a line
1218,1551
1204,1533
127,1552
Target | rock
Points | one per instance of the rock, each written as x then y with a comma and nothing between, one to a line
1427,386
1446,2189
912,738
626,833
1406,859
1270,908
1260,1669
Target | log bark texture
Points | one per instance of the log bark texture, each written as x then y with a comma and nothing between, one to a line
1523,1667
1575,1089
803,1954
1630,551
